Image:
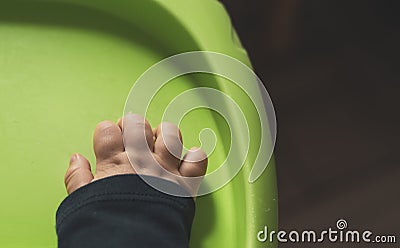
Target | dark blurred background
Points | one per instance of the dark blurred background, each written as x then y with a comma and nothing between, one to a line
332,70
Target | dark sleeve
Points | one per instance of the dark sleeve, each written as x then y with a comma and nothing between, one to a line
123,211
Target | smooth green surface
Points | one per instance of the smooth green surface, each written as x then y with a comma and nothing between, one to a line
66,65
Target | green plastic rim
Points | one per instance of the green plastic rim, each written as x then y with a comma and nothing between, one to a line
67,65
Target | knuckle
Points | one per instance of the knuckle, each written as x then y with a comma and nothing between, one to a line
71,172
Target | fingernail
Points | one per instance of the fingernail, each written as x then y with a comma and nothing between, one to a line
74,158
194,149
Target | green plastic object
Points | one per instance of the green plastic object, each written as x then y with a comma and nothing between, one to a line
67,65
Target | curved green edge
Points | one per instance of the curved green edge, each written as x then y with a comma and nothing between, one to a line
209,24
242,208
